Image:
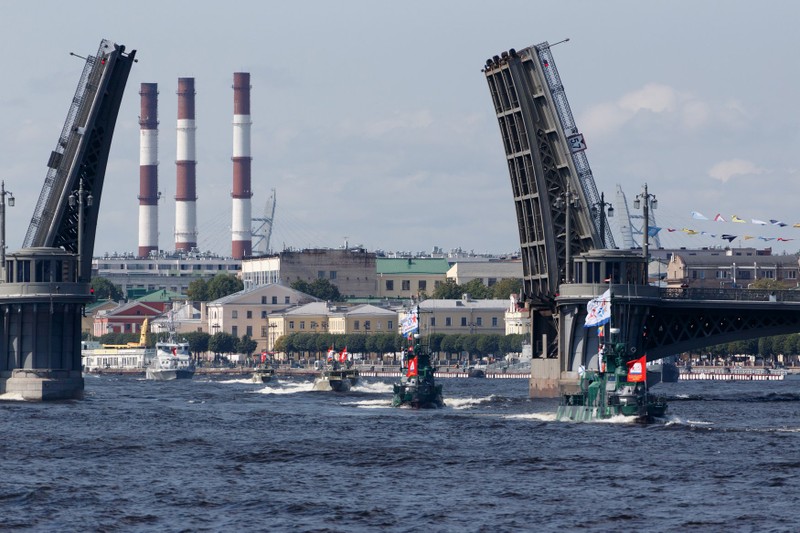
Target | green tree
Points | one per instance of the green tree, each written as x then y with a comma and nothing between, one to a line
198,290
222,342
320,288
246,345
766,283
104,289
476,289
198,341
504,288
449,290
222,285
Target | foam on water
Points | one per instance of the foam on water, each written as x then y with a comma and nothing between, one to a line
374,387
12,397
370,404
466,403
289,387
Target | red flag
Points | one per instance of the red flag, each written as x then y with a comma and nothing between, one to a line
343,355
263,357
174,351
637,369
412,367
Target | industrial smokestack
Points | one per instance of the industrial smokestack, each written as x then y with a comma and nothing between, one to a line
148,170
185,190
241,232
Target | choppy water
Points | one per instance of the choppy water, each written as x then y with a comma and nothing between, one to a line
206,455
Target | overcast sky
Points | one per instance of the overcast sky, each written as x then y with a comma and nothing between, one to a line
373,120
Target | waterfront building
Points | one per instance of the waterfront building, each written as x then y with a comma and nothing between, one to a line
733,268
127,317
172,272
463,316
182,317
489,271
352,270
250,312
410,277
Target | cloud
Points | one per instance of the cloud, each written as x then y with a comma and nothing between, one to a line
725,170
654,99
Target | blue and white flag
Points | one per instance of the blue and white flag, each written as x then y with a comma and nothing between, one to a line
598,310
410,323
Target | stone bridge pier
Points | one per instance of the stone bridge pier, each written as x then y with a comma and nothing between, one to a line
41,305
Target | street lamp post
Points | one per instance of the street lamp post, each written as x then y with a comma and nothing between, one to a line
649,201
3,194
567,200
81,198
599,209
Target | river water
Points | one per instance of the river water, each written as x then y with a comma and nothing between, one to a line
230,455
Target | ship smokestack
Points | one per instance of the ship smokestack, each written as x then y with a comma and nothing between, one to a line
148,170
241,232
185,190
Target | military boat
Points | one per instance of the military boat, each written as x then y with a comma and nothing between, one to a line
337,373
417,387
263,374
617,388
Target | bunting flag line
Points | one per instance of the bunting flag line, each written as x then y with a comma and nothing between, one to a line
729,238
698,216
759,222
689,231
734,218
653,230
778,223
748,237
719,218
784,240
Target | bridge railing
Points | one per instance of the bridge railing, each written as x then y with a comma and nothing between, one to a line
745,295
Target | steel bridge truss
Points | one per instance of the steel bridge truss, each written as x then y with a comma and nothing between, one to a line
80,157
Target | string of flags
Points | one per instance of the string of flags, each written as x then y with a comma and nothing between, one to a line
696,215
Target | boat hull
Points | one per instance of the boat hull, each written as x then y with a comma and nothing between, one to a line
332,383
168,375
263,376
420,396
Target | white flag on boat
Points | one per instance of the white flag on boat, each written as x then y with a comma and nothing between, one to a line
598,310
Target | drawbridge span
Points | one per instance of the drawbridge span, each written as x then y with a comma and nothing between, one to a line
565,263
46,283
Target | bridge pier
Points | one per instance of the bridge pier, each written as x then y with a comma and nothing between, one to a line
41,305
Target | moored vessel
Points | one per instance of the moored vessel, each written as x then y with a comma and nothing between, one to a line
173,359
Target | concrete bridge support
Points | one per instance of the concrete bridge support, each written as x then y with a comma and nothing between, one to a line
41,305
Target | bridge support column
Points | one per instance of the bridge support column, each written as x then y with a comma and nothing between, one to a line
545,378
41,306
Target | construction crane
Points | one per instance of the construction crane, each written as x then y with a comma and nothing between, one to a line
263,231
631,226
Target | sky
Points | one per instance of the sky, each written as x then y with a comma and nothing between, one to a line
373,121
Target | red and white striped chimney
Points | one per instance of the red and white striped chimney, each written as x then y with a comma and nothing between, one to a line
185,189
241,232
148,170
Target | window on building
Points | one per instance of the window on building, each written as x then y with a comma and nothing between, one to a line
291,324
356,325
249,331
264,331
463,321
491,282
367,325
479,321
437,284
263,314
234,314
274,300
264,300
249,314
448,321
791,274
320,274
494,321
433,321
332,274
769,274
422,285
406,285
389,284
302,324
286,300
390,325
